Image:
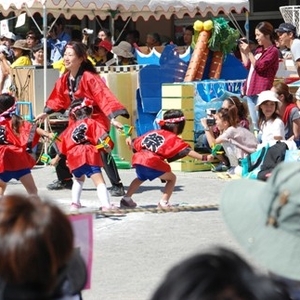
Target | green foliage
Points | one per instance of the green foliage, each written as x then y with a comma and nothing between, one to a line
223,37
195,39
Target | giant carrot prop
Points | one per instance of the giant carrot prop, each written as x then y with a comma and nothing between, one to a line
216,65
204,54
199,57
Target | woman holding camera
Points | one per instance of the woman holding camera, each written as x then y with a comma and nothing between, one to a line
243,121
262,66
237,141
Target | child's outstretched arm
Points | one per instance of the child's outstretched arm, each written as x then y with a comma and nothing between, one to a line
202,157
42,132
45,134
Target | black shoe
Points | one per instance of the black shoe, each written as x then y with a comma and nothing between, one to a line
60,185
117,190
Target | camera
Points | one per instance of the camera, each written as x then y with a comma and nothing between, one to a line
210,112
239,41
87,31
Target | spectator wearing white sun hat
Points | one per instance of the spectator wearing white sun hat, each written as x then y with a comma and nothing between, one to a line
124,54
8,39
270,124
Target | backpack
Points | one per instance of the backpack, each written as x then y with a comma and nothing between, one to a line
274,156
252,162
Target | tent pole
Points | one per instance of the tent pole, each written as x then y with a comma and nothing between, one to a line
247,24
112,28
128,20
33,20
45,33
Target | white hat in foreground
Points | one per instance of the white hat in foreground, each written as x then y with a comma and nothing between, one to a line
264,217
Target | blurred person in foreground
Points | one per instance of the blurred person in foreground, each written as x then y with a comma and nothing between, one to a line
217,274
264,217
37,258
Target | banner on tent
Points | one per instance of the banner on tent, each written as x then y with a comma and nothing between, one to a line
4,26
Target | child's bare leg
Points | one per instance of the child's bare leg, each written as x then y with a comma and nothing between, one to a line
126,201
77,189
134,185
29,184
170,178
3,186
102,192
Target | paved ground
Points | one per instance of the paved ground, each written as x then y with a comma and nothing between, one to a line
132,253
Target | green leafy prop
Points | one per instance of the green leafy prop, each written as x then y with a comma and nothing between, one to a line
195,38
223,37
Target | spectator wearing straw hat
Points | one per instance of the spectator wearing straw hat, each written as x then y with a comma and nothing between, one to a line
21,53
264,217
124,54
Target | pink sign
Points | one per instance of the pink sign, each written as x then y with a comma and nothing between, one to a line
83,231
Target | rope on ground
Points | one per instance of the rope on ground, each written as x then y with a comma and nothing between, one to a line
121,212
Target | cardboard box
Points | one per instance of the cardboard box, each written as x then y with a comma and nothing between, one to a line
188,164
178,90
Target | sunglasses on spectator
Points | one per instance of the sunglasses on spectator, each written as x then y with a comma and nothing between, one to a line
31,37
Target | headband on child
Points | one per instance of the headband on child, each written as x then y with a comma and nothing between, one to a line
173,120
85,103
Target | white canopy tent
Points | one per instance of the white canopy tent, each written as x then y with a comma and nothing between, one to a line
126,8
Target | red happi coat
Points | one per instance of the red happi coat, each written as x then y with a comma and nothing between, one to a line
13,155
155,147
106,106
78,143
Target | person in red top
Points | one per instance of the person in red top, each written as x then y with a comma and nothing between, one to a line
78,144
82,80
262,64
151,151
289,112
17,138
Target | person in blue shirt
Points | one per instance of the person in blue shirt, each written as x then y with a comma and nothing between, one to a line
57,39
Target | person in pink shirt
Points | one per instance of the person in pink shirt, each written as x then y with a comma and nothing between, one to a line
262,65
